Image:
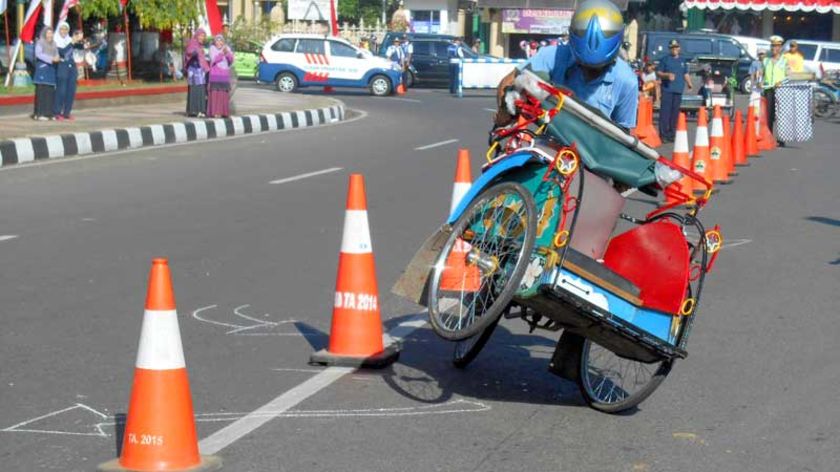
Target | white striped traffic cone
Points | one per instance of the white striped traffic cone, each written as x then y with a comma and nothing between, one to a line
356,331
160,426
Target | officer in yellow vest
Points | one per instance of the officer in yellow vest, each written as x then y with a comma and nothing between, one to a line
775,71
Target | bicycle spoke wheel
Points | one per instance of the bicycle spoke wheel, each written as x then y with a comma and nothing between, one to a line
613,384
482,262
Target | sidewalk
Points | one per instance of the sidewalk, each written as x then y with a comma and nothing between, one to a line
131,126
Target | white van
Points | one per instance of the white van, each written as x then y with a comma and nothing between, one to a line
291,61
752,45
818,52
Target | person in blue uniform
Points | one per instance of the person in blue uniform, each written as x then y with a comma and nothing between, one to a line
673,71
588,65
454,51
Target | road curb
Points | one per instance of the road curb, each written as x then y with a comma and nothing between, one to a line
23,150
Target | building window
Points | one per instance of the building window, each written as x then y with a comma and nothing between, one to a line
425,21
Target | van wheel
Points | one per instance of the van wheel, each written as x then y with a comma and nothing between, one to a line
410,80
380,86
286,82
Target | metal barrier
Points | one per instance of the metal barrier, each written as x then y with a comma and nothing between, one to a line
483,73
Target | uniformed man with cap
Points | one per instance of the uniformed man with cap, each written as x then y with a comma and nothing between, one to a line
673,71
775,71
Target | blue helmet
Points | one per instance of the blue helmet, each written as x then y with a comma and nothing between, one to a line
596,33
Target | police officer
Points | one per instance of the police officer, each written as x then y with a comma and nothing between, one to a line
454,51
775,70
673,71
395,53
588,65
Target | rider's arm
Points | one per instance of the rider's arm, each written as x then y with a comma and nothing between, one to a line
626,104
542,61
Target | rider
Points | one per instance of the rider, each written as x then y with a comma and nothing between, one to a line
588,65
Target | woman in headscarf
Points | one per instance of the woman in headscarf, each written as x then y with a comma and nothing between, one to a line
46,58
66,73
197,68
221,60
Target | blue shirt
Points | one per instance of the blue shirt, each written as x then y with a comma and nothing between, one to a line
678,67
615,92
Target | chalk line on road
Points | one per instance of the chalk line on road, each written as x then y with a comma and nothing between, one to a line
6,237
243,426
410,100
307,175
434,145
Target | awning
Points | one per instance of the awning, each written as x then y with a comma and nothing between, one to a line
819,6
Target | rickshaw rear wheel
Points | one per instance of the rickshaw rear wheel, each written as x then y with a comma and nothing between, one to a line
613,384
493,240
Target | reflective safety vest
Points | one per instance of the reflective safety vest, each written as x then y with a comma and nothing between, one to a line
774,71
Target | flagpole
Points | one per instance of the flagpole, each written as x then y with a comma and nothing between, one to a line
127,40
8,36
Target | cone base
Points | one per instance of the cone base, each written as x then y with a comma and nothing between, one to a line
376,361
207,463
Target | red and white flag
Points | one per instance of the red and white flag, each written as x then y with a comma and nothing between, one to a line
30,20
68,4
28,32
48,13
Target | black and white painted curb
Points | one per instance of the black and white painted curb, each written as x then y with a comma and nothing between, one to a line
22,150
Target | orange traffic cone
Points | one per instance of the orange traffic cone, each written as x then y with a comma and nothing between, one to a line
328,89
683,159
463,179
400,89
700,157
356,331
645,130
727,146
717,164
457,274
750,135
739,154
160,426
766,140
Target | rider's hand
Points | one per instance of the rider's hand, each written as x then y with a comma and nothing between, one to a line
504,115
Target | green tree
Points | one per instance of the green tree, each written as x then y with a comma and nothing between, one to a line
100,8
162,14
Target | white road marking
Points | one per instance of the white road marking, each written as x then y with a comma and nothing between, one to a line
20,427
280,405
493,110
410,100
6,237
100,421
306,176
240,329
434,145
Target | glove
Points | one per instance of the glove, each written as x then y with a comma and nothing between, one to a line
666,175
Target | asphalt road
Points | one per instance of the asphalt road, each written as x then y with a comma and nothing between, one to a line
757,393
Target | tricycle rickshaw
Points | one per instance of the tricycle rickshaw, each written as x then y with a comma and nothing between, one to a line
532,239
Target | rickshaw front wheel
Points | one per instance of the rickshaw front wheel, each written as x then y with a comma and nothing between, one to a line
612,384
482,262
